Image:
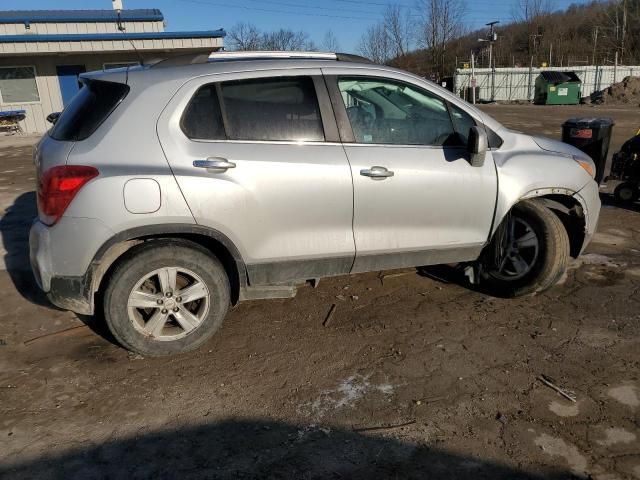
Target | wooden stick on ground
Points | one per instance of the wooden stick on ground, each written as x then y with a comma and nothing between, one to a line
565,393
384,427
59,332
329,316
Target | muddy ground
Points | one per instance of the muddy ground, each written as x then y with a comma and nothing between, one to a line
413,377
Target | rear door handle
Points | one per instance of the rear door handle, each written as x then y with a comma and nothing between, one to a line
214,163
376,172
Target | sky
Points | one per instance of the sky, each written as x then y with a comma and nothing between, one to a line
347,19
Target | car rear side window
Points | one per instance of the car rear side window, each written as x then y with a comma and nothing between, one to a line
202,119
91,106
281,108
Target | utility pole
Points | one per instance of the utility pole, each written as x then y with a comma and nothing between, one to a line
535,37
624,27
493,36
595,43
473,78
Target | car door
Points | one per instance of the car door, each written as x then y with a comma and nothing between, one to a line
417,199
258,159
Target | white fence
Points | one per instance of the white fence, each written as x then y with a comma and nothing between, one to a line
519,83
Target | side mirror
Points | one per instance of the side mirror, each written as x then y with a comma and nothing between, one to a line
477,146
52,118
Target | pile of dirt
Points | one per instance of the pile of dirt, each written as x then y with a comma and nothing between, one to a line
626,92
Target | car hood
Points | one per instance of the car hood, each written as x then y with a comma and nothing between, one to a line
555,146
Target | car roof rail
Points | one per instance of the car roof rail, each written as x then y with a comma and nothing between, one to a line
181,60
218,56
259,55
350,57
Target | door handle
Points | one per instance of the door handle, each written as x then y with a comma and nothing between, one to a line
214,163
376,173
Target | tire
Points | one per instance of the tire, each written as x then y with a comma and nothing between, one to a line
159,271
545,267
626,193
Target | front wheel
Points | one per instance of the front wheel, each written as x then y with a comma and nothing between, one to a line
529,253
166,297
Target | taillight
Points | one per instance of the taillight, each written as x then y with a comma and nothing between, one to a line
58,186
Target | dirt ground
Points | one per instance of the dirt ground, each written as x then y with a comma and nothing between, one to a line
413,377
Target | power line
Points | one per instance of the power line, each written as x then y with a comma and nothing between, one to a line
364,2
271,10
296,5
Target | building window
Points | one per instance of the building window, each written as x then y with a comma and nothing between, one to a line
18,85
109,66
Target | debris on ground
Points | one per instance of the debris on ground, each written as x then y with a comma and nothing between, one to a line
395,275
53,334
329,316
549,382
626,92
384,427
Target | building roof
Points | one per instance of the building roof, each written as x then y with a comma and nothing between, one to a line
79,16
97,37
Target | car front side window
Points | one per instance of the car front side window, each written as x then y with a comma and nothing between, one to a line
383,111
462,123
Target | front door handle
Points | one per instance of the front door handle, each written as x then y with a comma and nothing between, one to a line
214,163
376,172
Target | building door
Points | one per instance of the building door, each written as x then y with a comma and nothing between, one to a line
68,78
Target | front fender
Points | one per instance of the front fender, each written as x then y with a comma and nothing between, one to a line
525,171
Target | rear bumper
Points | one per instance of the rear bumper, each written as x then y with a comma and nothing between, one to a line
60,259
72,293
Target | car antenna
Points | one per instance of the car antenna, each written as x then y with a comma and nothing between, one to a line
117,6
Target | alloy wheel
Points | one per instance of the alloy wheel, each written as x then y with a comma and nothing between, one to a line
520,252
168,303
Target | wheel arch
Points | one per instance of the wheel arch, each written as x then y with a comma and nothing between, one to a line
564,204
114,250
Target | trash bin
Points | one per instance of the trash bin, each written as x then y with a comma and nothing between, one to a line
468,94
592,136
557,88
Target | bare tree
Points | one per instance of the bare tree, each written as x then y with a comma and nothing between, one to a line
397,26
441,21
375,44
528,10
245,36
620,19
285,39
330,42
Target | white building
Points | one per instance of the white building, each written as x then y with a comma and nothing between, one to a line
42,52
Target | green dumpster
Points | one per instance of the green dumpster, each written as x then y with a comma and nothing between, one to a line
557,88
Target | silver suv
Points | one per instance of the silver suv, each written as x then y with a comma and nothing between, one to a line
168,193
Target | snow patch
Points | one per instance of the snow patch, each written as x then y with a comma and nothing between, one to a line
625,394
616,435
348,392
558,447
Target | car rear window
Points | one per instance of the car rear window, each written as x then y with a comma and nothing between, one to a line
91,106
